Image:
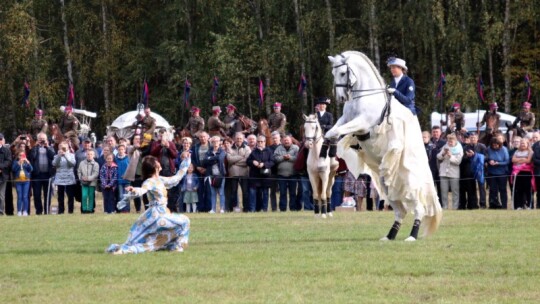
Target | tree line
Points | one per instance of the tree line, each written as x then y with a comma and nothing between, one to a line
107,48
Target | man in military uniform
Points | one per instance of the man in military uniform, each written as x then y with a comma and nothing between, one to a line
525,119
326,121
149,122
38,124
456,120
215,126
231,119
69,126
277,120
491,119
195,124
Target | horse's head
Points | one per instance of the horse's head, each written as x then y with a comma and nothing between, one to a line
312,130
344,77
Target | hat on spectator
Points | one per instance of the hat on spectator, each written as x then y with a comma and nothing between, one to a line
277,105
194,109
68,109
216,109
493,106
87,139
323,100
456,105
231,107
527,105
397,61
38,111
1,136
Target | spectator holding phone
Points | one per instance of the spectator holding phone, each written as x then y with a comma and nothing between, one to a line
22,170
64,162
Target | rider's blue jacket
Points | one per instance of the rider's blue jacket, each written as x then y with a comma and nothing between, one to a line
405,92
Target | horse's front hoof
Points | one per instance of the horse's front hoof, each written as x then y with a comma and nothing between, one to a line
323,216
410,239
330,214
384,239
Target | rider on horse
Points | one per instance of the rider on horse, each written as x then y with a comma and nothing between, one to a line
491,119
232,119
326,120
69,126
149,122
402,86
277,120
215,126
195,124
525,119
38,124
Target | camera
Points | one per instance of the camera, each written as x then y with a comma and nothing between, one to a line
23,137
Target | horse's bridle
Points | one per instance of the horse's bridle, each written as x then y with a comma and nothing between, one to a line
386,110
314,138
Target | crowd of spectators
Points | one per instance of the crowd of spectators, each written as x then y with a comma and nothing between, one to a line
250,173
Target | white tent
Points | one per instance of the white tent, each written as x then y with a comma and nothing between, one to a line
121,126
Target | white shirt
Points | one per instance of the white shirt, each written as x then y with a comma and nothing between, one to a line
397,79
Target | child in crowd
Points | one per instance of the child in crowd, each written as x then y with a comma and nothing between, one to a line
122,161
88,173
22,169
108,176
189,187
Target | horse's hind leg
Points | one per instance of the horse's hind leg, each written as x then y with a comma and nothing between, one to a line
399,213
419,212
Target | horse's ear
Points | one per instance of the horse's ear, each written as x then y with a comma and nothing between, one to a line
332,59
352,77
304,115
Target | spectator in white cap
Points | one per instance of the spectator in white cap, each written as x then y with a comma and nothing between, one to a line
402,86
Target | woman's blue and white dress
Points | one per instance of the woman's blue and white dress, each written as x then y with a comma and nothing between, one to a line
157,228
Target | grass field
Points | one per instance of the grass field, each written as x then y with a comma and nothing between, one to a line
476,257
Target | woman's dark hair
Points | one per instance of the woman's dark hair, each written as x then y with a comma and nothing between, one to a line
495,140
148,166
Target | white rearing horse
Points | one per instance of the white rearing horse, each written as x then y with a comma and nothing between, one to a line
321,180
389,135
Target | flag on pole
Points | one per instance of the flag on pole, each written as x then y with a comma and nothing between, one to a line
187,89
302,85
70,96
26,97
480,89
145,94
440,88
261,93
215,86
527,87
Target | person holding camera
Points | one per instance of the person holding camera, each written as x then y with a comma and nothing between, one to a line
41,157
22,170
64,162
450,157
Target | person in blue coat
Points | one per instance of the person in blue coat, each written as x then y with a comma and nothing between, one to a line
402,86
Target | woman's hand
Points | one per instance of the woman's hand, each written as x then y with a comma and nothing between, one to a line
129,188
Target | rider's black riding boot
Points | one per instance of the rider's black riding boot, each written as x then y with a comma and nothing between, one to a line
324,151
332,151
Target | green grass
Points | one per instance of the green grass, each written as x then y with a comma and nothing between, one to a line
475,257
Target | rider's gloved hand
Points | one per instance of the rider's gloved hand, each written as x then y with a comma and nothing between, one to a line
390,90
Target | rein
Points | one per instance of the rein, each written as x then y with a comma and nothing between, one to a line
386,110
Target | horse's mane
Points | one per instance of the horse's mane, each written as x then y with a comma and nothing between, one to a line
370,63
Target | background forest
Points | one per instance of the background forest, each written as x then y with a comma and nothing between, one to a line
106,48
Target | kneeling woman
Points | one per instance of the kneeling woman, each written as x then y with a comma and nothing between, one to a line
157,228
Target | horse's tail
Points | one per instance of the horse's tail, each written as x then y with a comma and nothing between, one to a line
432,222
